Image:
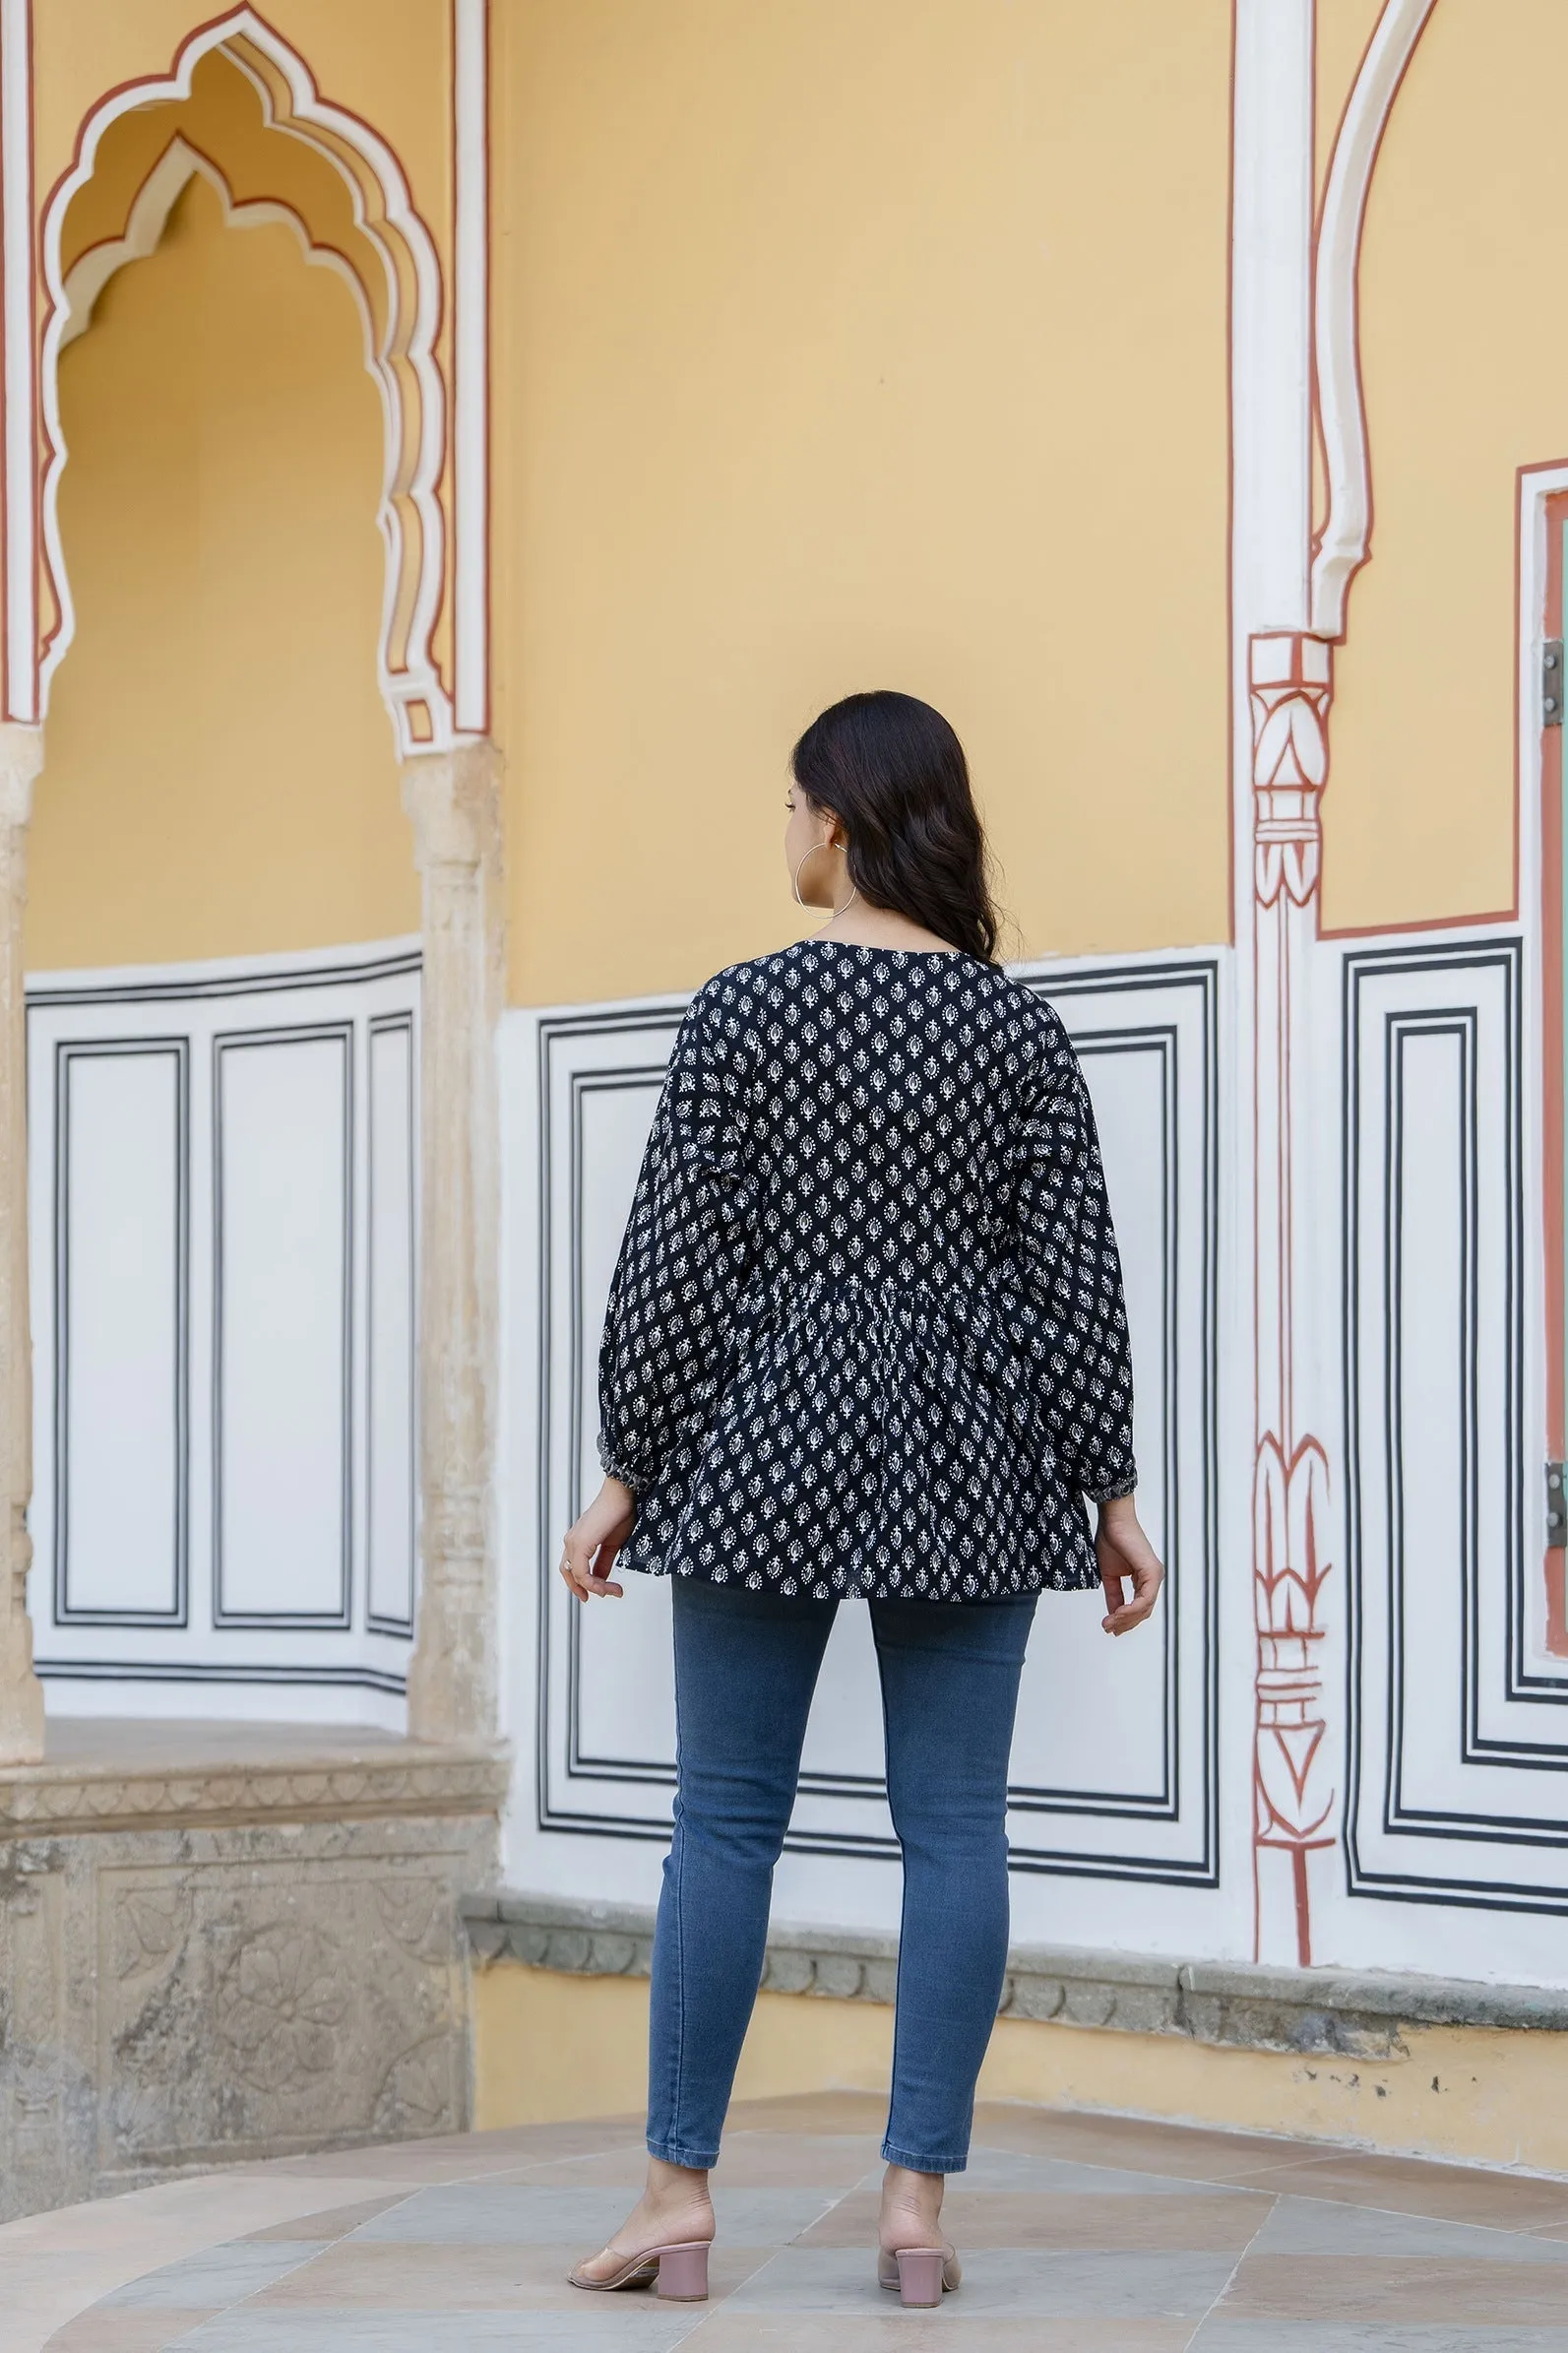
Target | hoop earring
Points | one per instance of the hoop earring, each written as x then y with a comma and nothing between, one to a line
795,880
854,891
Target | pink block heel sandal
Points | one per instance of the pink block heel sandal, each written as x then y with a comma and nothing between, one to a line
922,2275
683,2273
677,2273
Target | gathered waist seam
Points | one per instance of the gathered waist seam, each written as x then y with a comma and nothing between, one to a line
815,1285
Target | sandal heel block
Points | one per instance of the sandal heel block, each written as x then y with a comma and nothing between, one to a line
683,2273
678,2273
920,2269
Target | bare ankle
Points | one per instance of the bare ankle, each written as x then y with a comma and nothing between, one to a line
922,2192
672,2186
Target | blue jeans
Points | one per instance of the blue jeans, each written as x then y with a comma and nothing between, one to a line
745,1668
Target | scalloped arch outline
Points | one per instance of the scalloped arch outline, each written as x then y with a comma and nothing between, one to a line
404,354
1345,542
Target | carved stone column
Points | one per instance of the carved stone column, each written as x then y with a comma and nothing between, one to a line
1290,684
20,1693
453,799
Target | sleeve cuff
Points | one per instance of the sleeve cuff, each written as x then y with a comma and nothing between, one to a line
1125,1486
614,1466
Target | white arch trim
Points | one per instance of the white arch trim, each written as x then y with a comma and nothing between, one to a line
1346,540
155,199
413,689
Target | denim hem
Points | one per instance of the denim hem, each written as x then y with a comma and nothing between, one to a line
891,2154
672,2152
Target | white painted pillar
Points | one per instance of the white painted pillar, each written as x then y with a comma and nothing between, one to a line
1294,1763
453,799
1282,688
20,1693
1271,327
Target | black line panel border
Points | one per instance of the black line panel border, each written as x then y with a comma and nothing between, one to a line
339,1618
1457,1018
68,1052
226,984
207,1671
382,1025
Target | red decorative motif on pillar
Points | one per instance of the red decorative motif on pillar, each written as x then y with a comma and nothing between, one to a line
1290,680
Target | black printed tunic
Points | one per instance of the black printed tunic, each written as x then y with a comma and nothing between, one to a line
867,1333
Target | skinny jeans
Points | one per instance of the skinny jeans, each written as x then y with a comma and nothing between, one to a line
746,1665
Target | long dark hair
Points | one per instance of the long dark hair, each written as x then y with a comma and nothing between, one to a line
893,772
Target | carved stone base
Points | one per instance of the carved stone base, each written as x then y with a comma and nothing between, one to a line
246,1973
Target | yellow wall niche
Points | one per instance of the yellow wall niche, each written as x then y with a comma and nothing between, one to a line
857,343
549,2047
219,776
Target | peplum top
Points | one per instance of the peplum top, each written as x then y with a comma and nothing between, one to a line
867,1333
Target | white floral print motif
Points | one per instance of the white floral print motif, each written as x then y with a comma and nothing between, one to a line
866,1334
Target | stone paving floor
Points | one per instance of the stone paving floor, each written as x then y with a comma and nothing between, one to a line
1080,2235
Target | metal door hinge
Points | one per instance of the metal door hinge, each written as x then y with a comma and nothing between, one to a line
1556,1507
1551,683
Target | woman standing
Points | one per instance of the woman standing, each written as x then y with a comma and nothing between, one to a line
865,1340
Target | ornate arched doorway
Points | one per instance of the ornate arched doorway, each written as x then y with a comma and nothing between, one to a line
240,113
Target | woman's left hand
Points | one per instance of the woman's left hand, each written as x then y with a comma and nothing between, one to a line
1126,1558
591,1544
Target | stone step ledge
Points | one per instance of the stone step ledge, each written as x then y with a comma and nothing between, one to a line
1235,2005
289,1782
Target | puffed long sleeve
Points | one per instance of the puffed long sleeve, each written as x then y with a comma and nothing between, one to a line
1073,1271
684,1263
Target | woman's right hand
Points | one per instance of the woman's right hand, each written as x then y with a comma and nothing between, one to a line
1126,1558
591,1544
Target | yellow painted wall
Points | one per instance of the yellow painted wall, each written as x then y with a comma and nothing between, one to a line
856,343
549,2047
1464,353
221,775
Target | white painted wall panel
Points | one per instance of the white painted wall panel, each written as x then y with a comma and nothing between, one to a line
120,1301
1459,1734
622,1692
1432,1502
297,1159
284,1207
1068,1738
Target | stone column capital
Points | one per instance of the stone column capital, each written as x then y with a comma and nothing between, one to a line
451,799
21,764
